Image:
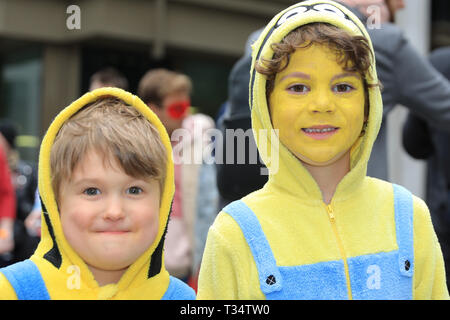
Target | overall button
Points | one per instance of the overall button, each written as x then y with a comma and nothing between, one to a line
271,280
407,265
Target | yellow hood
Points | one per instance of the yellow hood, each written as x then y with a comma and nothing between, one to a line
55,257
285,170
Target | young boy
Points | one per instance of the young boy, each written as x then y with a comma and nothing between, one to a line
320,228
106,182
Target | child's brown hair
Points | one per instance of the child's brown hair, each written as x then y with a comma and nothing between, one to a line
115,130
156,84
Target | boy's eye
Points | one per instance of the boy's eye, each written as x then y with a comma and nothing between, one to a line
134,190
342,87
91,191
298,88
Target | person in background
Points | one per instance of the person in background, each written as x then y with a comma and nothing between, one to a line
108,77
7,207
167,93
24,179
236,180
422,140
33,220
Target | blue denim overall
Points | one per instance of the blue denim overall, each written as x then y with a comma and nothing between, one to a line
383,275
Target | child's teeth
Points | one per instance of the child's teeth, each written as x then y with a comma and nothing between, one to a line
309,130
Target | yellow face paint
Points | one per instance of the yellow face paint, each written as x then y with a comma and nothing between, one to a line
317,106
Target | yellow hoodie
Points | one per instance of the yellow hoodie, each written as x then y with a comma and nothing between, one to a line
284,242
65,274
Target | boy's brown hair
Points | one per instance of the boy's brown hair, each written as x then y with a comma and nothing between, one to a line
115,130
353,53
156,84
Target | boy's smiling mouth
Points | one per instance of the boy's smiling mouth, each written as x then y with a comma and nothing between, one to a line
320,132
112,230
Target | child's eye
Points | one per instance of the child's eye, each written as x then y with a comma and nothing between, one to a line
134,190
91,191
342,87
298,88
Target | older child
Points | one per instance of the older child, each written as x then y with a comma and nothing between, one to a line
320,228
106,182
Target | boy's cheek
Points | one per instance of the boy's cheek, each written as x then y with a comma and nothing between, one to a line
283,111
74,220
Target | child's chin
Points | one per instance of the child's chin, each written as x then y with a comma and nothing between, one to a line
316,161
111,264
112,260
320,161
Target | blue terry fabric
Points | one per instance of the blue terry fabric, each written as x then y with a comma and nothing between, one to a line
377,277
403,205
26,280
178,290
269,276
319,281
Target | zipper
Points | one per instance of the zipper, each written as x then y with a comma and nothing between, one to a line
332,217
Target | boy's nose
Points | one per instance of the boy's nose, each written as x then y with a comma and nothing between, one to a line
322,103
114,209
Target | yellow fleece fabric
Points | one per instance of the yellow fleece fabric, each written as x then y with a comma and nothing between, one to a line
72,279
290,208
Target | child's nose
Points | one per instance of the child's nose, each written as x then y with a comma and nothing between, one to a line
322,103
114,209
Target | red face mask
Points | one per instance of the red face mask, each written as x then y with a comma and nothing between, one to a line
178,109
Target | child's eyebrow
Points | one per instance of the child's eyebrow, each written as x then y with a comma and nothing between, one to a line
296,74
345,74
85,181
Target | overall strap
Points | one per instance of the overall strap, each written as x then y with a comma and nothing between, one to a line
26,280
403,205
178,290
269,275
